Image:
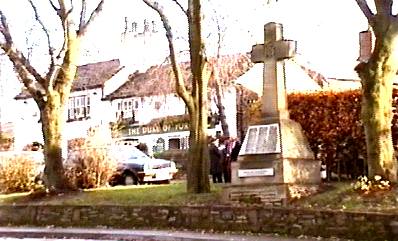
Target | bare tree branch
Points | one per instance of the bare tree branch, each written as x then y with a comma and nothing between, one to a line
384,7
4,29
220,36
63,12
63,15
94,14
50,48
20,59
23,73
54,7
181,7
17,55
180,85
62,9
363,5
168,57
37,17
82,14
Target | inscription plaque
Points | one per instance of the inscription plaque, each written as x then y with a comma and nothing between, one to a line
262,139
255,172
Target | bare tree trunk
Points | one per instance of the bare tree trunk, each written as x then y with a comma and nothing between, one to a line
198,164
220,106
52,123
198,170
377,78
196,99
52,115
218,84
377,81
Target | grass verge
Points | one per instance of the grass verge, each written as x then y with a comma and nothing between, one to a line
341,196
174,194
335,196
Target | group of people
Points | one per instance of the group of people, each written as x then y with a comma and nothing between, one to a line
222,151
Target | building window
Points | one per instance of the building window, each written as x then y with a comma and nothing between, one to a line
174,144
159,146
78,108
158,105
127,109
184,143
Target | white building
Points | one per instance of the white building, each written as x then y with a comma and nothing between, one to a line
85,108
94,81
155,115
148,106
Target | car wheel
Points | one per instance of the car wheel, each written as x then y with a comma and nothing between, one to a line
161,182
130,179
165,182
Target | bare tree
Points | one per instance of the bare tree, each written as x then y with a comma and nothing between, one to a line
51,90
215,67
219,97
377,76
196,97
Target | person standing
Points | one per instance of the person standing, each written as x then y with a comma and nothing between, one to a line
215,156
226,159
235,150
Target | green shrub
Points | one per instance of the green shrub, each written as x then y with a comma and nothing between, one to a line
18,174
90,168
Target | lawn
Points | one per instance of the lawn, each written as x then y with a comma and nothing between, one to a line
341,196
174,193
336,196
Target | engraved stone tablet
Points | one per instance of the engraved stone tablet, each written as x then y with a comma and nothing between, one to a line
251,140
262,139
255,172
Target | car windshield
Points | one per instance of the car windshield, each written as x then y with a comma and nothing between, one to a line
128,153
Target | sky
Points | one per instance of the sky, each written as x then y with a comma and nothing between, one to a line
326,32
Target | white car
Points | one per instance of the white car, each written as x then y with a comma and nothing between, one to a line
135,167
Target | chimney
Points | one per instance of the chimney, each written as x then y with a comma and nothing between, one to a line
154,27
125,25
365,46
146,26
134,27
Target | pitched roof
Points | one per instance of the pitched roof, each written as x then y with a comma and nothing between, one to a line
160,79
316,76
88,76
94,75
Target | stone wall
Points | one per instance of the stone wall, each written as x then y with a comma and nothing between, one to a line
358,226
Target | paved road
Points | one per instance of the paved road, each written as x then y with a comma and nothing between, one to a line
78,234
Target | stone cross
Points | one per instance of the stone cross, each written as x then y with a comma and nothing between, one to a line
272,53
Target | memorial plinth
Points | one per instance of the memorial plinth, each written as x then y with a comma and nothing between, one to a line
275,161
